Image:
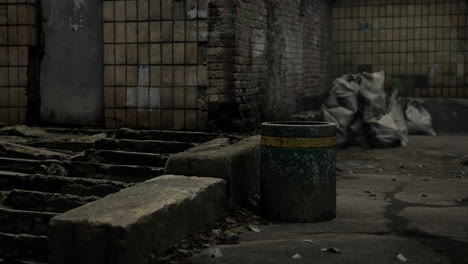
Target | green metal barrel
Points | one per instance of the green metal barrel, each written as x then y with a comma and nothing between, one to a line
298,171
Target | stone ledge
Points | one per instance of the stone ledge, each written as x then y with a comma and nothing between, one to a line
145,219
238,164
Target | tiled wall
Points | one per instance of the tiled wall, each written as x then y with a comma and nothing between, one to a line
17,35
420,44
155,63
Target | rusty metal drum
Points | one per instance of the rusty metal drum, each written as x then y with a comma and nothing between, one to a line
298,171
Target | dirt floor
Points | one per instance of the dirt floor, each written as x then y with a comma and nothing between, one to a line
394,205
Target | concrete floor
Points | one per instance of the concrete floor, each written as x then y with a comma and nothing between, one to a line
411,201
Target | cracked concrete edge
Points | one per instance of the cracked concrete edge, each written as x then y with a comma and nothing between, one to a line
137,222
238,164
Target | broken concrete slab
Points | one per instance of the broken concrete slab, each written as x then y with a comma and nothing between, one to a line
58,184
184,136
122,158
238,163
13,150
145,219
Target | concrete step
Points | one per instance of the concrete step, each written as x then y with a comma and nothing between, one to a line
58,184
147,146
24,222
123,173
23,247
19,151
75,146
42,201
20,165
129,226
123,158
181,136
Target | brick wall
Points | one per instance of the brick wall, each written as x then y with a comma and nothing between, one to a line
421,45
155,63
278,53
18,35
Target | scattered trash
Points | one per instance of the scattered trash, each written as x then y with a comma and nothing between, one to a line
359,193
393,178
254,228
424,195
215,253
238,229
464,160
402,165
297,256
389,201
217,232
228,236
332,250
459,200
418,119
308,241
425,179
371,194
231,220
402,258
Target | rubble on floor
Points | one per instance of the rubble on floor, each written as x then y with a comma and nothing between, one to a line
48,171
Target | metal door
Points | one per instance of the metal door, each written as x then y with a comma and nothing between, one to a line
71,86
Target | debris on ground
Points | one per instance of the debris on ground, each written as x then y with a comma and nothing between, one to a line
331,250
215,252
308,241
254,228
464,160
297,256
371,194
402,258
224,232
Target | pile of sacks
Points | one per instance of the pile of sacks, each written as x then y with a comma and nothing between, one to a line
358,105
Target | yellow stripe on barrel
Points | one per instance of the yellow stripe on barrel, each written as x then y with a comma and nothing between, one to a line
324,142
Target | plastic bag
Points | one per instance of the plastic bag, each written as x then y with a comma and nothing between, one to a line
396,112
373,91
418,119
384,132
346,90
343,116
341,135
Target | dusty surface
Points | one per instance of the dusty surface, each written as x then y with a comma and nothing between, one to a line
411,201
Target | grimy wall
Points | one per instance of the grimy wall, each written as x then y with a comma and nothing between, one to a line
18,37
272,59
420,44
219,64
178,64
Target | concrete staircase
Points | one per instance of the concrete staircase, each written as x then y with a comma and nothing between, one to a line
32,191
